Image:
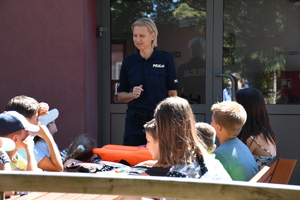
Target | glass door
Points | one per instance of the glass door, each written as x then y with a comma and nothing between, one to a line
261,46
256,41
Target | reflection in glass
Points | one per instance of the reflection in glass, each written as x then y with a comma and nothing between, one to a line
261,42
241,84
178,23
191,75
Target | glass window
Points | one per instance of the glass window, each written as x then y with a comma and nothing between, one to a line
261,46
181,32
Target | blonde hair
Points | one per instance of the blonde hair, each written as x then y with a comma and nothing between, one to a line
231,115
177,136
151,26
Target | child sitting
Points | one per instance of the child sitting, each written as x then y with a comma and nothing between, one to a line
257,132
31,109
81,150
152,145
175,134
48,121
81,158
228,119
172,140
208,135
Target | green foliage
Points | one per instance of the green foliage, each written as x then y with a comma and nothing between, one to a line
185,11
125,12
255,26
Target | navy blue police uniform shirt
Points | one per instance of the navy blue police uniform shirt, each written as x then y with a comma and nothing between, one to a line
157,74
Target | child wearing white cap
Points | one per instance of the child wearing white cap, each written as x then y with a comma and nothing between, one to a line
49,121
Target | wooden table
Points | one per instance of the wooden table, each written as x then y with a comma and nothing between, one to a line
63,185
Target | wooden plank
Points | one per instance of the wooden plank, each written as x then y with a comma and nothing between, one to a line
266,172
262,175
277,171
61,196
49,196
86,197
108,197
283,171
271,171
143,186
274,160
67,196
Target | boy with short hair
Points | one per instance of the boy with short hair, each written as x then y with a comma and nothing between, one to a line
31,109
208,135
15,127
228,119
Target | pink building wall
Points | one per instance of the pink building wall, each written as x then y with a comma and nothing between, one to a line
48,51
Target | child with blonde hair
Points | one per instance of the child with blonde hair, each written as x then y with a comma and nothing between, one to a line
228,119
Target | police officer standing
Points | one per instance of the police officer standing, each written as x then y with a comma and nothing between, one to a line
146,78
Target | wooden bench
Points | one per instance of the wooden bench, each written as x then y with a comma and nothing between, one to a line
277,171
180,188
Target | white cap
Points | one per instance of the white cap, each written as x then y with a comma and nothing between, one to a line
51,116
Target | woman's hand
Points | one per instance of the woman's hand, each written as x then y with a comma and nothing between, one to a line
126,97
137,90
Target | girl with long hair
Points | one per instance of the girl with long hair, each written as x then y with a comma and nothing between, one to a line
173,141
257,132
179,146
80,150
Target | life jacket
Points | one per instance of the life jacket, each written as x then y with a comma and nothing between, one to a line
130,155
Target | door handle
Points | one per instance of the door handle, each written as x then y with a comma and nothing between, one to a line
233,81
